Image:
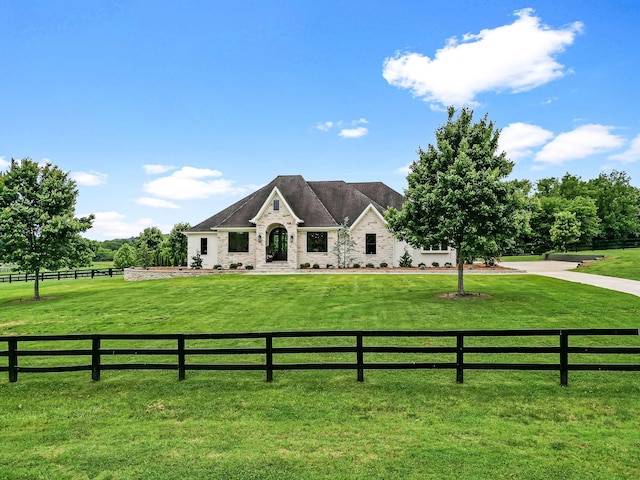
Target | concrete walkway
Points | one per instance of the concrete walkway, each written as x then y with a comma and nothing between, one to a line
560,271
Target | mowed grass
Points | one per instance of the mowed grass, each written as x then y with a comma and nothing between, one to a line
616,263
315,425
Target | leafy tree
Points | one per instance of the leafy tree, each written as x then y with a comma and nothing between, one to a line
618,205
344,246
177,244
144,256
565,230
587,216
38,227
149,246
125,256
457,192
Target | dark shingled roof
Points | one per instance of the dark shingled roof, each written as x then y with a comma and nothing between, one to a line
318,204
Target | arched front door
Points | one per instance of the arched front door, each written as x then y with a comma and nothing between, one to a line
278,243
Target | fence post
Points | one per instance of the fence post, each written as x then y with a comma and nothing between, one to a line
110,272
95,358
181,360
360,357
564,359
269,357
460,358
13,360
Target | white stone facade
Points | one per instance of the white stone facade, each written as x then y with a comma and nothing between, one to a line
275,215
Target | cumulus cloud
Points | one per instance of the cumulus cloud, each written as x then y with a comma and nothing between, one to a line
515,58
89,179
156,202
4,163
352,129
353,132
155,169
190,183
518,139
108,225
579,143
632,154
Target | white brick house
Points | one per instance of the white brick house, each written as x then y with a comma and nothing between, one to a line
292,221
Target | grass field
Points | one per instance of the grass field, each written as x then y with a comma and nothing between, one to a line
315,425
617,263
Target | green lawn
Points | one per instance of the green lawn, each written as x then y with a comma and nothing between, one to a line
617,263
316,425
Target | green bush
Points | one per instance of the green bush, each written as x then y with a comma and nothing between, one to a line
448,265
370,265
405,260
249,267
233,266
435,264
384,265
316,266
356,265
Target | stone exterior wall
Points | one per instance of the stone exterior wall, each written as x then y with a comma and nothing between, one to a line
321,258
226,258
271,219
372,223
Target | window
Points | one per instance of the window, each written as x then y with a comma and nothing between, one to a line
203,246
276,204
238,241
370,243
316,241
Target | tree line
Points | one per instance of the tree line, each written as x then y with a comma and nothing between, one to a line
150,248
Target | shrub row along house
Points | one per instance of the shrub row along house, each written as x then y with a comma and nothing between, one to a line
292,222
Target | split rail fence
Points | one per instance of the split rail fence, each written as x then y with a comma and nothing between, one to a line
355,345
62,274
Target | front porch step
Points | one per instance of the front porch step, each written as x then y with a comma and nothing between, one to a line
275,267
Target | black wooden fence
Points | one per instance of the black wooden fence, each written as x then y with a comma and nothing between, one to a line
359,343
62,274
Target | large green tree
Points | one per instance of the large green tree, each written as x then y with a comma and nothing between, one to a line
38,226
457,193
177,244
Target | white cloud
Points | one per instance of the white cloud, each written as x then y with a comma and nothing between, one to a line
353,132
4,163
580,143
518,139
404,170
89,179
632,154
156,202
190,183
109,225
154,169
516,58
325,126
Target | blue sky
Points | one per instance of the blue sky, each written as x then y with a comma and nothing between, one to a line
167,112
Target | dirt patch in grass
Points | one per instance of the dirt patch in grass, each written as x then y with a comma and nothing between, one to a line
466,296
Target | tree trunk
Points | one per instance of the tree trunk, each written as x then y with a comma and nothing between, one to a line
460,263
36,286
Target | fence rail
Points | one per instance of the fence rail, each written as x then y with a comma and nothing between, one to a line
458,353
60,275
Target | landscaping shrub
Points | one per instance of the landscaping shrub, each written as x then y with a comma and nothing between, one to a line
435,264
384,265
370,265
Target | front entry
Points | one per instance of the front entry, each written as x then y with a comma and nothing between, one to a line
278,244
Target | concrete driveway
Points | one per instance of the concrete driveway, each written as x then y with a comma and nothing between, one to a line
560,270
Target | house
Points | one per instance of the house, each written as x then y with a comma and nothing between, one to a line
291,221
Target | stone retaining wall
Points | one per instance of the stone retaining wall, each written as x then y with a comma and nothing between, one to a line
571,257
135,274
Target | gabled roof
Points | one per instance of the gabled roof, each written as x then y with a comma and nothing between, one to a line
316,204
